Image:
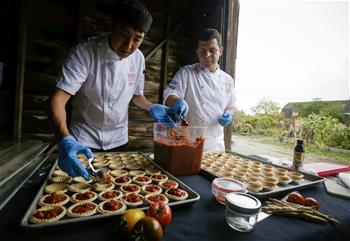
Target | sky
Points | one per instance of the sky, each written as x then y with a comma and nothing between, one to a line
289,51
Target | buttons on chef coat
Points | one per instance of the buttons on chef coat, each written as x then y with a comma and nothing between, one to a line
202,102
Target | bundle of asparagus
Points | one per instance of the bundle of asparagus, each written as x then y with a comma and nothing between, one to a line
280,207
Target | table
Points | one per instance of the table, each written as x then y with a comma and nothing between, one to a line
203,220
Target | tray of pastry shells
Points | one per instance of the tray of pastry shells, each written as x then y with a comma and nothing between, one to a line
130,180
262,180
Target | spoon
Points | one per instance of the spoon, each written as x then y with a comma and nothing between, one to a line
98,175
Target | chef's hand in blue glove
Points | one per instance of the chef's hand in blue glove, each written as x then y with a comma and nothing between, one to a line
225,119
160,113
180,109
68,160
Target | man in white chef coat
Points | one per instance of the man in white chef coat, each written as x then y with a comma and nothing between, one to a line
203,92
102,75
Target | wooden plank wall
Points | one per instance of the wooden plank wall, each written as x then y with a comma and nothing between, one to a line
56,25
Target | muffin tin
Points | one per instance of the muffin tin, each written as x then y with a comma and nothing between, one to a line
132,164
262,180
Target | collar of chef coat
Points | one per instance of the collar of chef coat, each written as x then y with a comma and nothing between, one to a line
212,75
108,53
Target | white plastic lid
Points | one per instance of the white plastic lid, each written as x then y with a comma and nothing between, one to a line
242,203
227,184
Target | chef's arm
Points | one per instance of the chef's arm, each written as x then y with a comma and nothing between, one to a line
58,113
141,102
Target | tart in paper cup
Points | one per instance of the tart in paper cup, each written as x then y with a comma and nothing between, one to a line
54,199
56,187
83,209
150,198
176,194
61,179
118,173
98,187
152,189
136,173
88,196
133,199
48,214
111,206
80,179
110,194
79,187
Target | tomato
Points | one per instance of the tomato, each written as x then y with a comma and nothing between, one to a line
147,228
311,202
161,212
129,219
295,197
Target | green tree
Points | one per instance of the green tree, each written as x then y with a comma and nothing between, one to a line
266,107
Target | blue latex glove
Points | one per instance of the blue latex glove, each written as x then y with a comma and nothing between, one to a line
225,119
160,113
180,109
68,160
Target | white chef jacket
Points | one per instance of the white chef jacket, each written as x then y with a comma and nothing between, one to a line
103,85
208,95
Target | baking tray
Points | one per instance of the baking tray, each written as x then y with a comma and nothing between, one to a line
309,180
26,224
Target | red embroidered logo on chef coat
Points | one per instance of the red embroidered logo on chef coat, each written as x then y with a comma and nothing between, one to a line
131,78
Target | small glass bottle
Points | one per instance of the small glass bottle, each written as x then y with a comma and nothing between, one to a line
298,157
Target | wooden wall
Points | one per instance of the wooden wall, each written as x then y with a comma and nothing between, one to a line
54,26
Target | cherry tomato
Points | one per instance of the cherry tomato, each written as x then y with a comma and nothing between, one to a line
311,202
147,228
161,212
295,197
129,219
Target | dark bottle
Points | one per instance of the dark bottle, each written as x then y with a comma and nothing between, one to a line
298,157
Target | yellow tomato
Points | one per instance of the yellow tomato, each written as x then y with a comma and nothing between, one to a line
129,219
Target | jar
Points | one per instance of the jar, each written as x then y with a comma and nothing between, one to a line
242,211
221,186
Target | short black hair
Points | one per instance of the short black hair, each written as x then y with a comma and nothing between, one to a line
209,34
134,13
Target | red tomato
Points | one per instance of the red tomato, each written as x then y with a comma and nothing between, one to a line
311,202
147,228
295,197
161,212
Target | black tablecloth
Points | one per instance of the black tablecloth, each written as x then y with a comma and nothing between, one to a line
203,220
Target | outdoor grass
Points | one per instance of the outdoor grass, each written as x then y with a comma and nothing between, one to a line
336,156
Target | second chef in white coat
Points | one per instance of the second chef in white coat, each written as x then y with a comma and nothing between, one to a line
203,92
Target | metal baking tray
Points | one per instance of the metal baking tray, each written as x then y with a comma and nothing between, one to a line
26,224
309,180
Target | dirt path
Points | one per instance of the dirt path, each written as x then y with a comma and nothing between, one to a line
250,145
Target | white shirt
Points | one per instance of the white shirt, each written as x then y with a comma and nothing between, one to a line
103,85
208,95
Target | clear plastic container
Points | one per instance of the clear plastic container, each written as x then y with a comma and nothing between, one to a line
242,211
221,186
178,149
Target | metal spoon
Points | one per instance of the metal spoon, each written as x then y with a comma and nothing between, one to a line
98,175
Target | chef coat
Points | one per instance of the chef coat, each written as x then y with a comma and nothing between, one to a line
208,95
103,85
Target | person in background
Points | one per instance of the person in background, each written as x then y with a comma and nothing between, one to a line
102,75
203,92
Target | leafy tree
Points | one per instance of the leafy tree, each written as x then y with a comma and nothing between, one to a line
266,107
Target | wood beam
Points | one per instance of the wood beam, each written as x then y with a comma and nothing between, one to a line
21,64
231,16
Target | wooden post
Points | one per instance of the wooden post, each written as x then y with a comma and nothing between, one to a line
21,62
231,15
164,66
